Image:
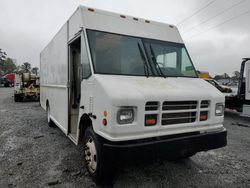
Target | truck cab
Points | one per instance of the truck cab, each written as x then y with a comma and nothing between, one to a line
241,101
120,84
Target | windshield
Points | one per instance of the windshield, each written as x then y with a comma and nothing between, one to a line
125,55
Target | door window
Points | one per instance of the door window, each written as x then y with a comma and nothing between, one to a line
86,70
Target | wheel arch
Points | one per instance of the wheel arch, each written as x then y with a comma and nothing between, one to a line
84,123
47,103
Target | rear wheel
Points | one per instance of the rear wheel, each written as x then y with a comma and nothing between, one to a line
99,168
16,98
20,98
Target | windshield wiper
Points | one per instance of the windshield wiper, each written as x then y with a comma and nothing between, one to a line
155,62
146,70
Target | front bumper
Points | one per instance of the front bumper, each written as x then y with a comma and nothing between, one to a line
166,145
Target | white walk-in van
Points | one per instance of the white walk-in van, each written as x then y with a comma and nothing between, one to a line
126,86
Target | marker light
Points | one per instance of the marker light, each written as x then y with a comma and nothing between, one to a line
105,113
104,122
203,116
150,119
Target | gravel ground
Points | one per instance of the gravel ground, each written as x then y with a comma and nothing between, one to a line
34,155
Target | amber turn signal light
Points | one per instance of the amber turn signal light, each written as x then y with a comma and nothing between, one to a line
105,113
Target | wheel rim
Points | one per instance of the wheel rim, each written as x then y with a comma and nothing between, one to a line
90,154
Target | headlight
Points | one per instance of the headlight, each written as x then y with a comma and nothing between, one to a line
219,109
125,116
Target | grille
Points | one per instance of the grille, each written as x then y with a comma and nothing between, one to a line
204,104
179,105
178,118
152,106
178,112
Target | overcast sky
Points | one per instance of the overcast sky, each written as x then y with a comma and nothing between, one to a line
26,26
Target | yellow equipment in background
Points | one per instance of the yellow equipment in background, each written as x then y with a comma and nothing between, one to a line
203,74
27,85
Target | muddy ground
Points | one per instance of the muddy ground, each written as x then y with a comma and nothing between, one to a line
34,155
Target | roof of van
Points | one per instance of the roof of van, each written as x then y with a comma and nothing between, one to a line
112,22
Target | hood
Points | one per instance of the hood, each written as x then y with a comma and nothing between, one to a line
171,88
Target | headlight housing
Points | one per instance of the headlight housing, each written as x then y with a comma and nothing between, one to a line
219,109
125,116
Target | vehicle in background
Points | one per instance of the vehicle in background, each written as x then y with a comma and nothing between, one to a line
224,89
5,82
126,86
227,91
2,81
241,101
234,90
11,78
203,74
26,85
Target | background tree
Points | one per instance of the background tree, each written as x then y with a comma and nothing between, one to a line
2,59
18,69
2,56
8,66
218,77
25,67
226,75
236,75
34,70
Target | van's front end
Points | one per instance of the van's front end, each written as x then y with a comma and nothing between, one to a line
145,95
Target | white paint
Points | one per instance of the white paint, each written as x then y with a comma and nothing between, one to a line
246,111
108,93
247,71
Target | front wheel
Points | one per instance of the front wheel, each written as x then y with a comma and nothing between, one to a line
98,166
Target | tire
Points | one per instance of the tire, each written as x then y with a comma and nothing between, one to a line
6,85
16,98
20,98
49,121
99,167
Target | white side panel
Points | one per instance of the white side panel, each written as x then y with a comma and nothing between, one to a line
54,78
75,23
247,68
246,111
